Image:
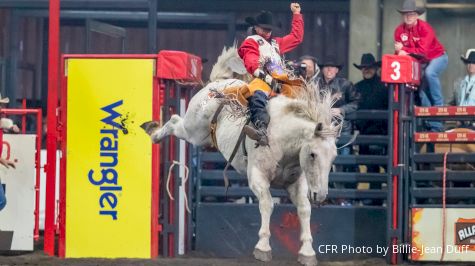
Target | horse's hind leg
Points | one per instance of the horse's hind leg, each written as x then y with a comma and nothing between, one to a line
174,127
298,194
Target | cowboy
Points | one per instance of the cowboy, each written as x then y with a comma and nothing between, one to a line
5,124
416,37
261,53
373,96
347,98
464,89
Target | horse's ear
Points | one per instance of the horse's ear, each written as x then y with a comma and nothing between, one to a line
318,129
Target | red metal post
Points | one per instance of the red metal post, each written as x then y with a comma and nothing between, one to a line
23,118
395,162
155,226
51,137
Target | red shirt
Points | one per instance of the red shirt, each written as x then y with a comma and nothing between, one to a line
249,50
419,39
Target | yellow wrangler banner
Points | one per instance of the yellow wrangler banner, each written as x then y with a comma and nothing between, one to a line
109,158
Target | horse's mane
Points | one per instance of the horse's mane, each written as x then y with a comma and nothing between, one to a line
229,65
315,105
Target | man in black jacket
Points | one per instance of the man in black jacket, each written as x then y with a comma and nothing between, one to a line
347,103
347,96
373,96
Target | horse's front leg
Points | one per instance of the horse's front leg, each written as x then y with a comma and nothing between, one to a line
298,193
259,184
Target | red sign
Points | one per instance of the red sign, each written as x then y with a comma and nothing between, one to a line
445,111
400,69
444,137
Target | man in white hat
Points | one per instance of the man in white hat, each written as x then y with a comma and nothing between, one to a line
464,89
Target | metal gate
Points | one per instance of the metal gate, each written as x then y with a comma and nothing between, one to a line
354,219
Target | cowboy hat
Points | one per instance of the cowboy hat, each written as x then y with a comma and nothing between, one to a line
410,6
264,20
330,61
469,56
4,100
367,60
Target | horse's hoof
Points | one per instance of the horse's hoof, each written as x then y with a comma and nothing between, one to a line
150,126
308,260
262,255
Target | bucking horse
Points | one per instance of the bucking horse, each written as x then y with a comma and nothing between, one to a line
302,145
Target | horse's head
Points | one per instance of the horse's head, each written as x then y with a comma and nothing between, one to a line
316,159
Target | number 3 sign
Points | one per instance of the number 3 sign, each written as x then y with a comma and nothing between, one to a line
400,69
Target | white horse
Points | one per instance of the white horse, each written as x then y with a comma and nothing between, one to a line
302,134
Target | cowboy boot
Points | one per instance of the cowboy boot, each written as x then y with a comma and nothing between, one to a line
259,117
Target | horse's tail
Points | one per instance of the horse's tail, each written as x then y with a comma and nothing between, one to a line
228,64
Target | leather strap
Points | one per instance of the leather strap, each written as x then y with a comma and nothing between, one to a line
242,137
214,124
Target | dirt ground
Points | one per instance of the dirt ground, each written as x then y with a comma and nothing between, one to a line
38,258
194,259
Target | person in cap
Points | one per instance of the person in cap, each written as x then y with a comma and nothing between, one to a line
464,89
311,67
261,52
416,37
5,124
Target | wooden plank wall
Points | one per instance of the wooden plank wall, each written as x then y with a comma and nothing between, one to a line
325,33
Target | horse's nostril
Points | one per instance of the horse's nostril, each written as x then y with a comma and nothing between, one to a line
315,197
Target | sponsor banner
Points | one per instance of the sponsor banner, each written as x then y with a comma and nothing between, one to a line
108,158
445,111
427,228
445,137
17,219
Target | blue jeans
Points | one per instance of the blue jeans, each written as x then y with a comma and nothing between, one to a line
3,200
431,95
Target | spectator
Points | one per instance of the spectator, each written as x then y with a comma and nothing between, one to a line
5,124
311,68
464,91
347,98
373,96
346,103
3,199
416,37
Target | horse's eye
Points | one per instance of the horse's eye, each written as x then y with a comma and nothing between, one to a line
313,155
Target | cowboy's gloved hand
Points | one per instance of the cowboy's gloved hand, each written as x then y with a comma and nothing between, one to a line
295,8
265,77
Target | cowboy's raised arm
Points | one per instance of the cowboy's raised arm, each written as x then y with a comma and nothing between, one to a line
295,37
